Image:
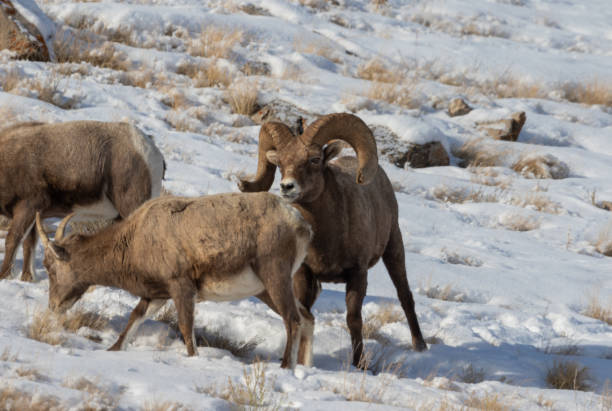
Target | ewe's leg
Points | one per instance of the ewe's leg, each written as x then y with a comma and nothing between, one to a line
144,309
23,219
356,287
184,301
29,250
306,289
276,276
394,260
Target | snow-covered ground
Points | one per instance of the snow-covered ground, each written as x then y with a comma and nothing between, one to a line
499,306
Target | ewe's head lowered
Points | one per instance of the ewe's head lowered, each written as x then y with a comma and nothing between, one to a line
64,286
303,158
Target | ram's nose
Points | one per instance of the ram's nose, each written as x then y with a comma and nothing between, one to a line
289,189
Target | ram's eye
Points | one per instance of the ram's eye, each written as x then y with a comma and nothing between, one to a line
315,161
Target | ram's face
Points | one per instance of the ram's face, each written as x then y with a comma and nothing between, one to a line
301,169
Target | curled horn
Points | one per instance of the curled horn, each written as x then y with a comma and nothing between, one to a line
59,233
41,231
353,130
271,135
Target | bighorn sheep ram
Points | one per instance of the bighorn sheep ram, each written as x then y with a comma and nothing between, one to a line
96,169
220,247
352,209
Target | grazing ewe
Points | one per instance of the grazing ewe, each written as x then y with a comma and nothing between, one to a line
97,169
220,248
352,209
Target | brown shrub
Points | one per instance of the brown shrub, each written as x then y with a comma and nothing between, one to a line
568,375
594,91
242,96
45,327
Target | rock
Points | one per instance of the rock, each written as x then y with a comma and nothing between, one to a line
400,152
508,129
606,205
432,154
458,107
284,112
21,35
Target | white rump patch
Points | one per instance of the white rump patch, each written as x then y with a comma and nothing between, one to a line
233,287
152,157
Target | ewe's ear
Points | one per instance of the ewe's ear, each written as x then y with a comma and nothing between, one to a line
272,157
332,150
59,252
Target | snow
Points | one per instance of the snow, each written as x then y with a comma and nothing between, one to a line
500,303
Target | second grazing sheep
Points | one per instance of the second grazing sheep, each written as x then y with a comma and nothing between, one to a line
220,247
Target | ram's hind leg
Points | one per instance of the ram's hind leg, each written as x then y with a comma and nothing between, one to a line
145,308
395,261
356,286
23,219
276,277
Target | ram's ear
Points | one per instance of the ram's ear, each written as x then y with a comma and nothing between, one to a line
332,150
272,157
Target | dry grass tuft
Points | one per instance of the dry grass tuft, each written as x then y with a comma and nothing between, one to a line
317,47
603,243
255,391
12,399
452,257
8,356
75,319
48,327
31,374
10,79
476,154
376,70
536,201
460,195
568,375
215,42
446,293
541,166
486,402
518,222
45,327
471,375
242,96
594,91
386,314
489,176
392,94
595,309
156,405
99,397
